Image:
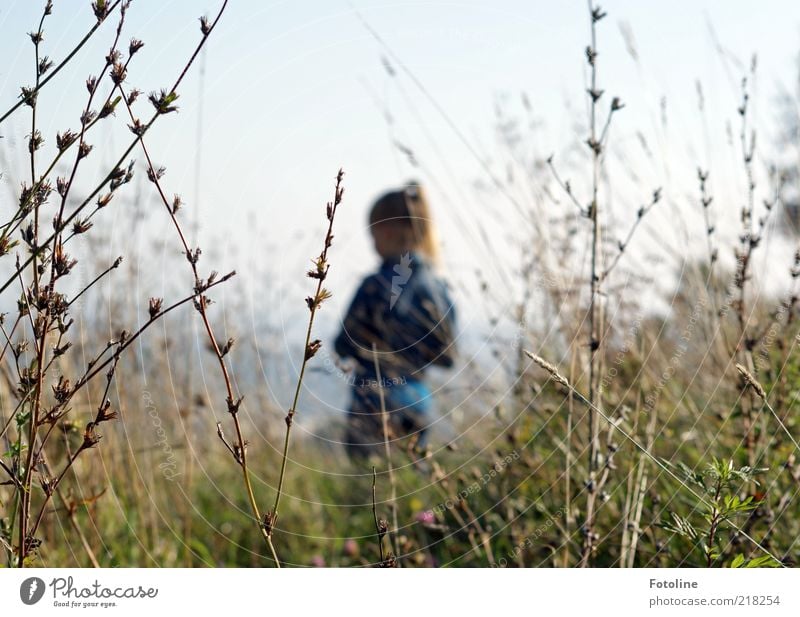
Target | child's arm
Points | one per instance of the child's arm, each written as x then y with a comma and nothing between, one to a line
357,334
440,338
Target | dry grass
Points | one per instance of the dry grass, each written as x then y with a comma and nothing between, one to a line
625,437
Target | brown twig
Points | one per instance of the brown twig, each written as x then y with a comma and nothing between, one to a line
310,348
387,447
65,61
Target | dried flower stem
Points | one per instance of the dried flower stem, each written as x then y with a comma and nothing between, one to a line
24,513
46,309
596,142
84,446
90,439
705,202
45,315
750,239
623,244
387,446
320,272
568,462
378,531
566,187
637,490
53,72
141,130
595,311
240,451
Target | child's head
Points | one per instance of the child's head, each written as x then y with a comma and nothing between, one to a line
400,222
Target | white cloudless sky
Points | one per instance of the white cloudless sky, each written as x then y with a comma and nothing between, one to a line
293,90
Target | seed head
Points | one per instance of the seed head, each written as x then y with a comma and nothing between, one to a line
269,522
134,46
155,307
383,527
312,349
90,436
205,26
65,140
752,382
549,368
100,9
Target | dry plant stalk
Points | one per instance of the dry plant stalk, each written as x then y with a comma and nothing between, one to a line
595,309
749,241
44,308
163,102
381,529
310,348
598,466
387,447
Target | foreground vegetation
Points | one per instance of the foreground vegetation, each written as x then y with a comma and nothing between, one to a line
621,436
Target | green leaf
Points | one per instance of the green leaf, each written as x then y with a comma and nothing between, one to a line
765,561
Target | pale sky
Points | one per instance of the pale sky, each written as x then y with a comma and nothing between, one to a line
294,90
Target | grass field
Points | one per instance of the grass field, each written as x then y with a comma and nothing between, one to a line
597,429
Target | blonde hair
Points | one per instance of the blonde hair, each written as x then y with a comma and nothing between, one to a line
408,212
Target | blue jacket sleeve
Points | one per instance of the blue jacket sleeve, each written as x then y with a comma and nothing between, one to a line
358,328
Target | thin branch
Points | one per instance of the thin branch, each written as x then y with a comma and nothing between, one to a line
565,186
113,266
378,532
385,424
311,347
64,62
640,214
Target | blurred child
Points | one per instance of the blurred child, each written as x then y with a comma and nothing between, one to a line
405,313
